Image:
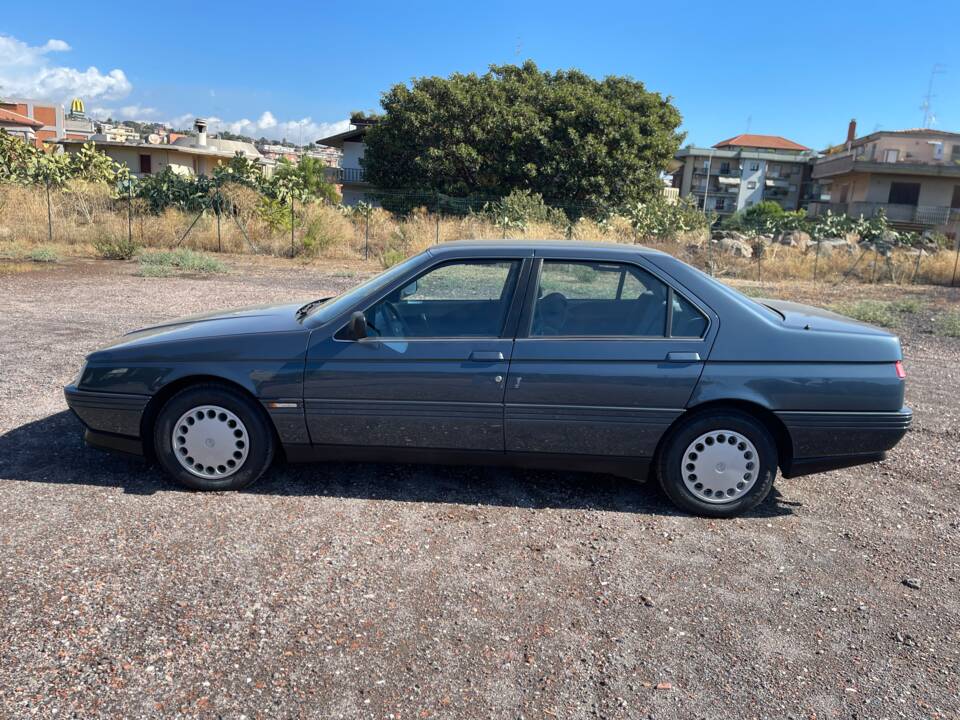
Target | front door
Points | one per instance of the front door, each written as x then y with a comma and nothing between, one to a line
606,358
432,370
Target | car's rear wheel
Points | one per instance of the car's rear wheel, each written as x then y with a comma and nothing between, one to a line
212,437
718,463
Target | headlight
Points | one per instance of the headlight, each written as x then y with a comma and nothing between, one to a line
79,376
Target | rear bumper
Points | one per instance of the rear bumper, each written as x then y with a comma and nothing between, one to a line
832,440
111,420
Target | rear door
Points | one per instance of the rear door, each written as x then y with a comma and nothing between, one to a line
431,373
606,357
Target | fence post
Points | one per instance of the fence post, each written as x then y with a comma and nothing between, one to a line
816,261
437,241
130,211
916,268
366,236
49,215
953,280
292,224
219,237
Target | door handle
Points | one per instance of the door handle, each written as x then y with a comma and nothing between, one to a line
486,355
683,357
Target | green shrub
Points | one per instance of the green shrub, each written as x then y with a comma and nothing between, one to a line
664,220
188,261
392,257
155,271
114,247
43,255
521,208
948,323
910,305
875,312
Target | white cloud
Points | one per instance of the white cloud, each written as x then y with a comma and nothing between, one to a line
267,126
27,71
126,112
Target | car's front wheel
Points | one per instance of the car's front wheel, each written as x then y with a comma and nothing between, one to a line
212,437
718,463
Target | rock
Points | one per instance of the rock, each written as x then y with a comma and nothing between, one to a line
739,248
765,239
913,583
795,238
830,245
664,686
5,233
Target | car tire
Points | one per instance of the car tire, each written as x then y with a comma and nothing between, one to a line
734,445
233,436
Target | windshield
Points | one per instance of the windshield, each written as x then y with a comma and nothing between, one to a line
329,309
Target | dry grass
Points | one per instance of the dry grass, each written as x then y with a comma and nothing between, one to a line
84,215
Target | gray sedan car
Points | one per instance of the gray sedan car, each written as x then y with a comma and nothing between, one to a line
596,357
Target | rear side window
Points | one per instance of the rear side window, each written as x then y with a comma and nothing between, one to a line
686,321
598,299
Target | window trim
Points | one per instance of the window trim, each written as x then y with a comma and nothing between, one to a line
533,284
511,318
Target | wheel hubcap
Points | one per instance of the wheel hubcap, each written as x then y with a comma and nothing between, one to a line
210,442
720,466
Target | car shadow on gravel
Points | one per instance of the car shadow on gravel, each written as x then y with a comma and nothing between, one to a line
50,450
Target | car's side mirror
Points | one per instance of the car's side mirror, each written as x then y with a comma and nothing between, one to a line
358,326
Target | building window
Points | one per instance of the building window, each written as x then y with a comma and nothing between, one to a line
706,164
955,153
904,193
725,168
752,185
145,164
719,203
891,156
754,166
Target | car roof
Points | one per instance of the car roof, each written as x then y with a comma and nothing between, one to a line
532,248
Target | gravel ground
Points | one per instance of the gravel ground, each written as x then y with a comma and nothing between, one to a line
413,592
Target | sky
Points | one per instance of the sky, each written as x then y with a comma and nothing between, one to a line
297,69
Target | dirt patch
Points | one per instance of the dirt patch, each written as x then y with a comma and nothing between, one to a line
377,590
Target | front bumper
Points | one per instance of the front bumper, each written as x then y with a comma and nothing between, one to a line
111,420
832,440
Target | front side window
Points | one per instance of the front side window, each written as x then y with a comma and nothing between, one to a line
598,299
455,300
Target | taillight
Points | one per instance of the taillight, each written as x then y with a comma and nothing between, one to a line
901,373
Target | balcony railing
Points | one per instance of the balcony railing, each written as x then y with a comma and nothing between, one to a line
345,175
928,215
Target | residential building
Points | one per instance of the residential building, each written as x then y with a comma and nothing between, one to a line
912,176
186,155
743,171
19,125
350,175
55,124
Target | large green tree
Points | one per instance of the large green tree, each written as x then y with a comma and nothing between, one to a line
573,139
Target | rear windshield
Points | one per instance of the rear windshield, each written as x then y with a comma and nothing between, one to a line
737,294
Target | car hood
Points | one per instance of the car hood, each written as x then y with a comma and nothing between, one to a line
807,317
242,321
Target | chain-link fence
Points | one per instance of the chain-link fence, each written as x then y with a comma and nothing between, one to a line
390,225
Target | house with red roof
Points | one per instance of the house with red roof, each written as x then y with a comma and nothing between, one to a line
19,125
744,170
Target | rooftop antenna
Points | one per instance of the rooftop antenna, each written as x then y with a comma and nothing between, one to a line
749,123
927,105
519,47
